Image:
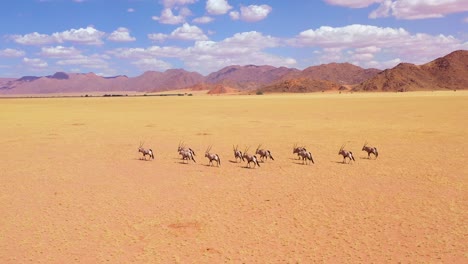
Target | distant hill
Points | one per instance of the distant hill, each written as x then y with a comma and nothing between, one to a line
299,85
221,89
62,82
173,79
248,77
448,72
6,81
341,73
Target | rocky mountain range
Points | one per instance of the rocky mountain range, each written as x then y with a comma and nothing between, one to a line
448,72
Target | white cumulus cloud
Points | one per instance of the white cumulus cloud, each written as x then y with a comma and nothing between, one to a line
185,32
90,61
252,13
34,38
407,9
121,35
217,7
11,53
188,32
35,63
59,52
168,17
87,36
153,51
235,15
203,20
152,64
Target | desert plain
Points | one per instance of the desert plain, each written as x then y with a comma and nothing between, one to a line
73,187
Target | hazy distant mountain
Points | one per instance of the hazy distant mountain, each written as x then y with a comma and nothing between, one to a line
341,73
62,82
5,81
448,72
152,81
249,76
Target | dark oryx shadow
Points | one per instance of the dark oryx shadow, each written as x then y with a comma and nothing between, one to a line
366,158
246,167
208,165
141,159
181,162
340,162
300,163
232,161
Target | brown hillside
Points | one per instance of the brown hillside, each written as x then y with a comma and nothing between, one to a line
300,85
221,89
448,72
342,73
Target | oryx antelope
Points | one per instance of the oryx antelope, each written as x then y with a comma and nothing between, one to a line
186,153
250,158
212,157
346,154
306,155
264,153
370,150
237,153
297,149
182,147
145,152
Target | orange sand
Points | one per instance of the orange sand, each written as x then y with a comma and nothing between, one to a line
73,189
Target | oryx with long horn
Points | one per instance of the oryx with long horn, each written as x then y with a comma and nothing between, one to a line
237,153
306,156
370,150
184,148
297,150
145,151
186,153
212,157
264,153
346,154
250,158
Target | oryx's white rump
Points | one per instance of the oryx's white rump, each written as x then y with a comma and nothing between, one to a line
145,151
370,150
212,157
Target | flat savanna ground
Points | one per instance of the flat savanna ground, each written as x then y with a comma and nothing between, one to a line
73,187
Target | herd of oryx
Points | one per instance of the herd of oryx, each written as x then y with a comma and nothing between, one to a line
187,154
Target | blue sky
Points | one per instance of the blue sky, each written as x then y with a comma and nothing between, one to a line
129,37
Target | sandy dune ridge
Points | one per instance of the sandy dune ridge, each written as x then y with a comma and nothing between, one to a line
74,190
